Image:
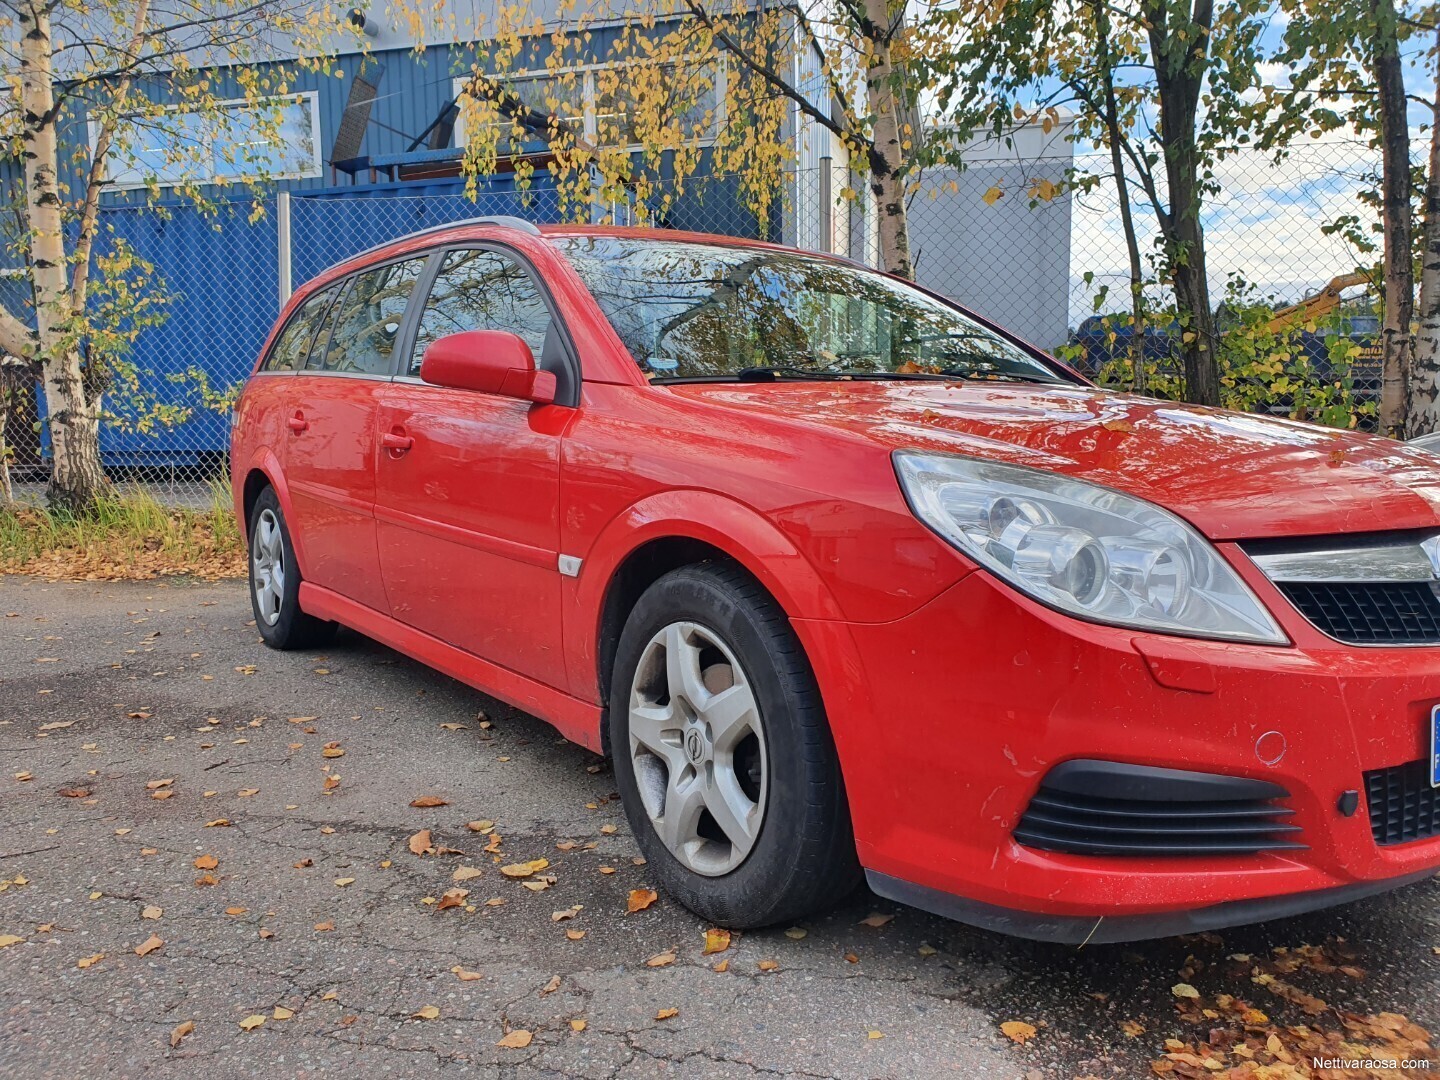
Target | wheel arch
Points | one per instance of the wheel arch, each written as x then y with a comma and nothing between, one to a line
675,529
264,471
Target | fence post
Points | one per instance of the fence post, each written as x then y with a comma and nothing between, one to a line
827,204
282,228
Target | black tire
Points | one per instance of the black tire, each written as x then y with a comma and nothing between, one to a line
291,628
803,858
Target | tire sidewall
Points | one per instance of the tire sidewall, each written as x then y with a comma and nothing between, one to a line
693,597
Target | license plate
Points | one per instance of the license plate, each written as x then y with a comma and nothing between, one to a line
1435,747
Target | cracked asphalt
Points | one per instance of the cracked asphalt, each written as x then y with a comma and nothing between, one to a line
107,688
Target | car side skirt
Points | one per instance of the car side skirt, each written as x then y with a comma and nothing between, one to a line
1087,930
577,720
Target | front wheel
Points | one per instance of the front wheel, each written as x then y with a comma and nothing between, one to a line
275,582
723,754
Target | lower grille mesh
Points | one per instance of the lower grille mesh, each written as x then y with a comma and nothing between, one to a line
1089,825
1403,805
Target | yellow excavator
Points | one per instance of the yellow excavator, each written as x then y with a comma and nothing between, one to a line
1317,305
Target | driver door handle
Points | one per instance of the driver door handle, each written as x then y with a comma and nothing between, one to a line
298,423
395,442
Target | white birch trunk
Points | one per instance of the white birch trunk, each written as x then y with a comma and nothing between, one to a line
72,418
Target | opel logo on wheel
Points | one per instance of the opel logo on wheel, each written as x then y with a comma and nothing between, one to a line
695,746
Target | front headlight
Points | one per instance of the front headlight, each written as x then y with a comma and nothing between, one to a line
1084,549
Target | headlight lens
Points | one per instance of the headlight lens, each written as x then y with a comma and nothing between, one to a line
1084,549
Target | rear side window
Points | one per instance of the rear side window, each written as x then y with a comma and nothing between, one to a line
482,290
293,345
369,318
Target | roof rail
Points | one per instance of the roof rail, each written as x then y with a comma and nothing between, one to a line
503,220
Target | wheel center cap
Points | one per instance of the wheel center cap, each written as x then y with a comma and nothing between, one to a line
696,746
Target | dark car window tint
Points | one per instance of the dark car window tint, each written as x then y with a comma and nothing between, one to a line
293,345
482,290
369,319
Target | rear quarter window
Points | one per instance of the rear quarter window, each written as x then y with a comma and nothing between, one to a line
293,345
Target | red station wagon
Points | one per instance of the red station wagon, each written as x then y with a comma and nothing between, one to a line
847,580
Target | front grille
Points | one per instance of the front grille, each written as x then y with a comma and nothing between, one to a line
1403,805
1132,810
1370,613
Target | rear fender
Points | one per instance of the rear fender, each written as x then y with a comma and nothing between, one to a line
265,461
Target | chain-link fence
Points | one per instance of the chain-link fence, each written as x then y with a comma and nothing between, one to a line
1015,239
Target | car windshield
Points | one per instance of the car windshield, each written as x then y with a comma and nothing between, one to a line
712,311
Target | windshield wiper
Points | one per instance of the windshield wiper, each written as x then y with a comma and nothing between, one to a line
771,372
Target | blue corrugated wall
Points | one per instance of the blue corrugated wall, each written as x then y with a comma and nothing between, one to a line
220,267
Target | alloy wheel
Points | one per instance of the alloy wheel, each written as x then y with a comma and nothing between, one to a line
267,567
698,748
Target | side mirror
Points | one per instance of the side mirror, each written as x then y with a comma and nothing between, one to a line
489,361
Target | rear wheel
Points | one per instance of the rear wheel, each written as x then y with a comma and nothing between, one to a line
723,755
275,582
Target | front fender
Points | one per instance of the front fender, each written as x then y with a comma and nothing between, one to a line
722,522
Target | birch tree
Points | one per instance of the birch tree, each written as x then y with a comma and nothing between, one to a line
93,85
1346,64
1164,85
1423,404
689,85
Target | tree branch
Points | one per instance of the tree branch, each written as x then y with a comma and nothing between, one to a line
775,79
16,338
94,180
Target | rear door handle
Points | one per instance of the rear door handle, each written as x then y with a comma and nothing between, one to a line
398,443
298,423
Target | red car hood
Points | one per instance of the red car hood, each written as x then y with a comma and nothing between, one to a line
1232,475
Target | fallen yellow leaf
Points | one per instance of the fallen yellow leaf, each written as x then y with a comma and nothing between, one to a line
663,959
525,869
282,1013
717,939
666,1014
429,1012
180,1031
1017,1031
148,946
640,899
250,1023
516,1040
452,898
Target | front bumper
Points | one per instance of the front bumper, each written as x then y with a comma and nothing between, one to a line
947,721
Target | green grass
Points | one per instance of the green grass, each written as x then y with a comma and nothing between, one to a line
125,535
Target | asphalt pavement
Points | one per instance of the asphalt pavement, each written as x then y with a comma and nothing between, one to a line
208,868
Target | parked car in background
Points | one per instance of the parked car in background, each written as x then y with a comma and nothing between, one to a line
846,579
